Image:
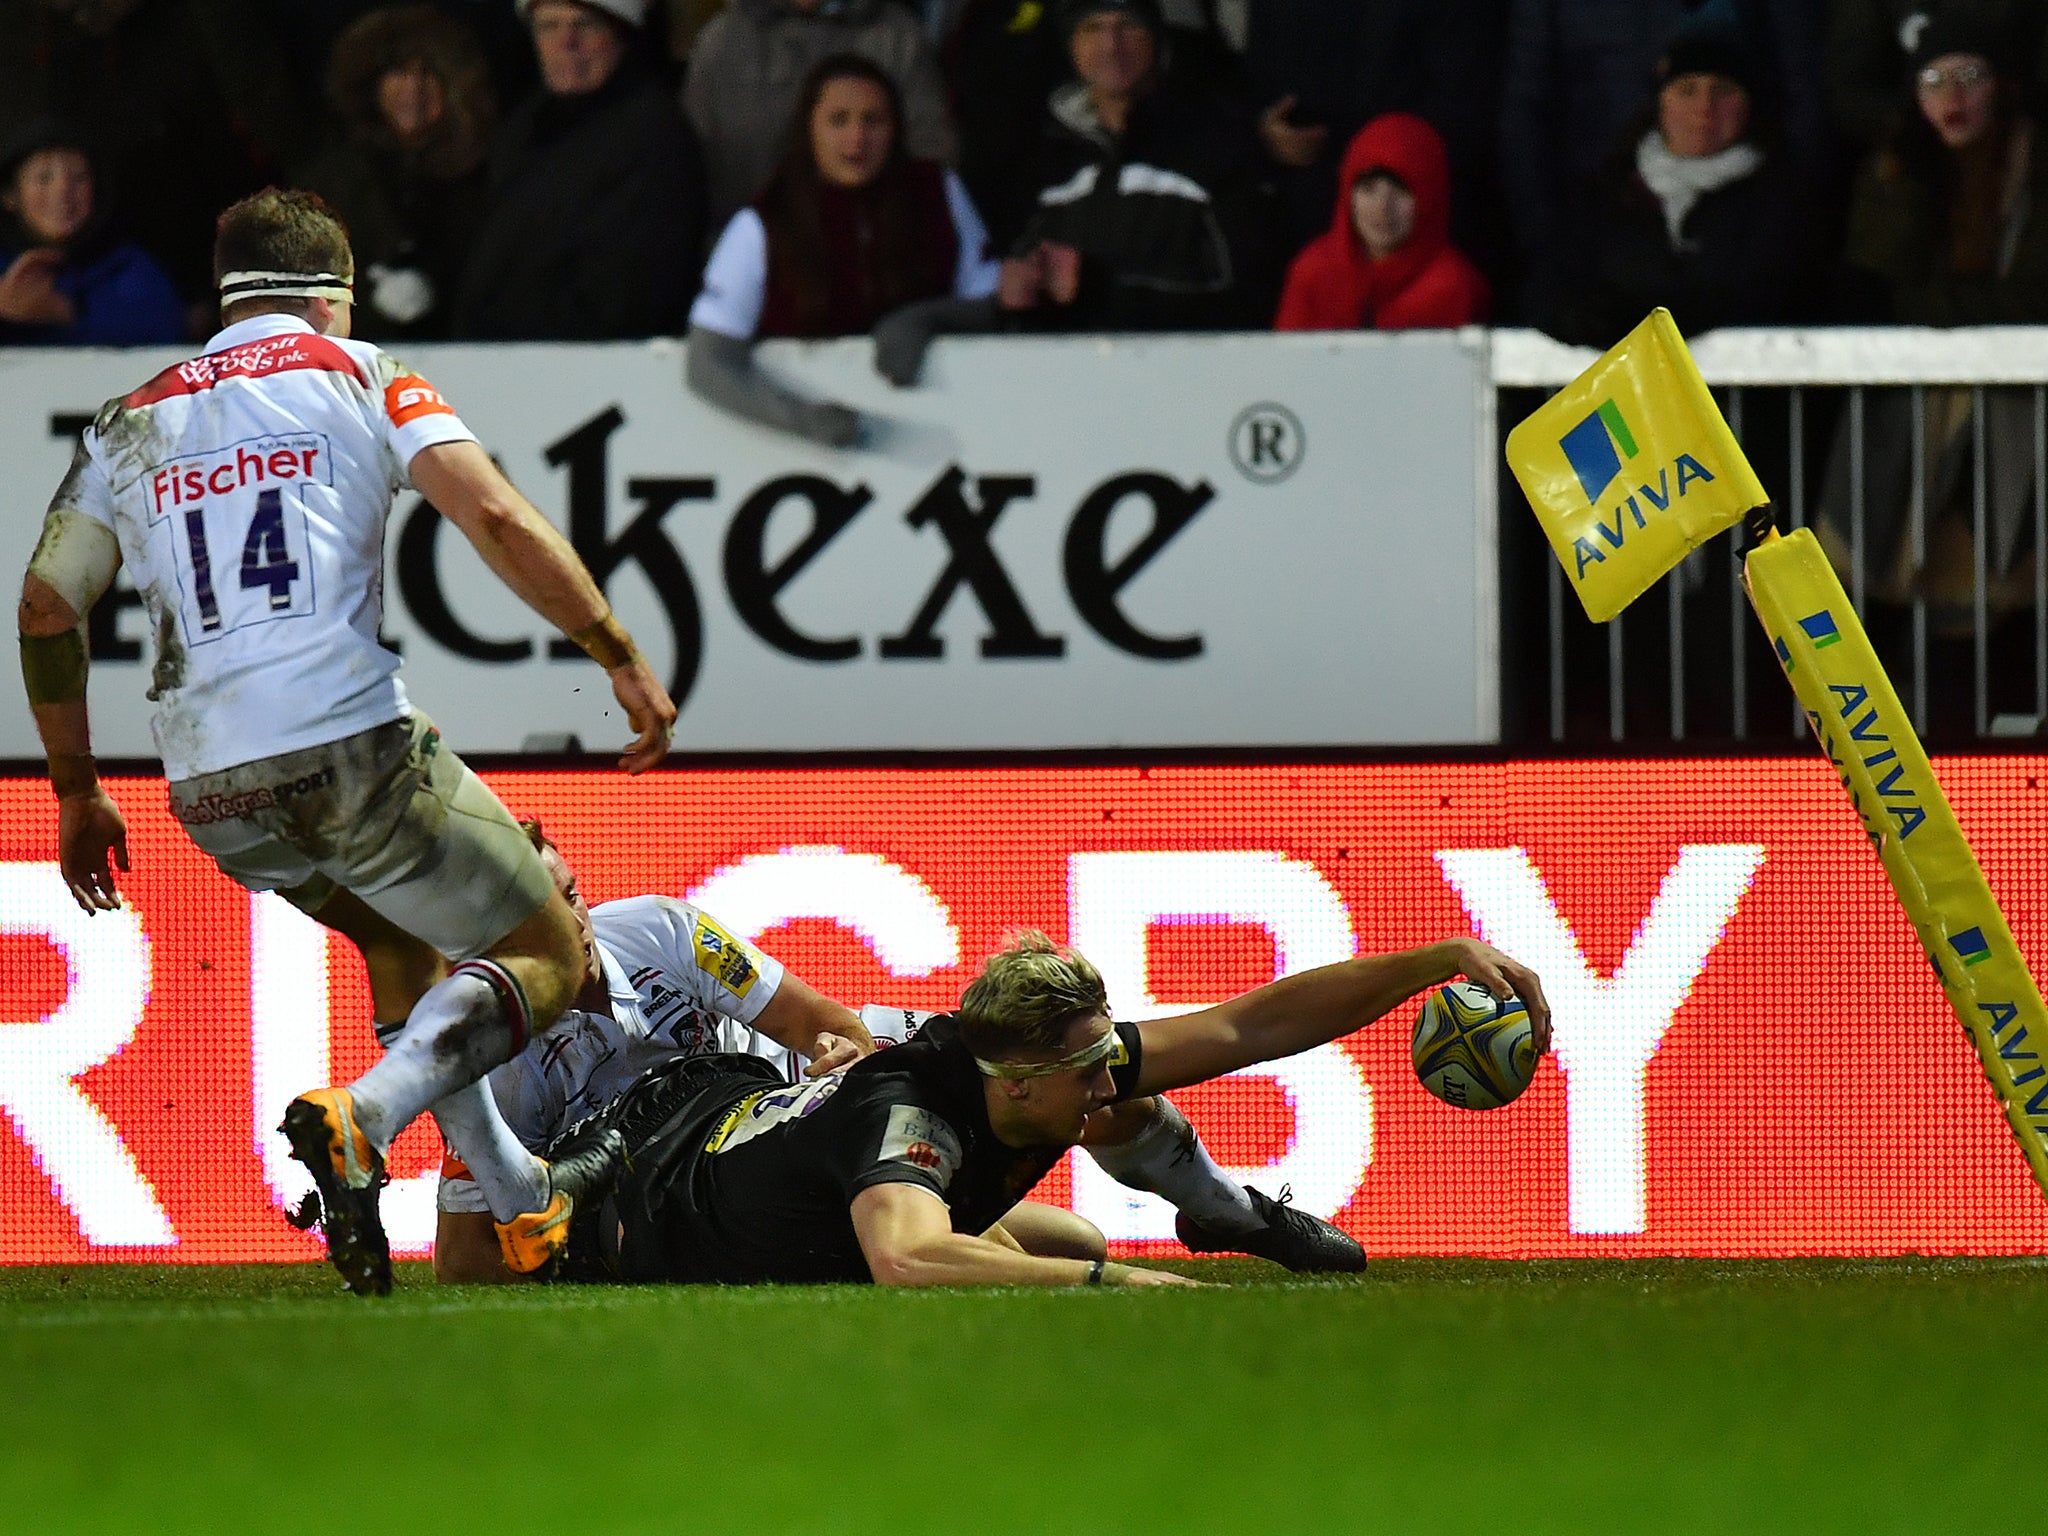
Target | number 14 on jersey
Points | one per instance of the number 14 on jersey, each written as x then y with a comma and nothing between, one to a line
241,542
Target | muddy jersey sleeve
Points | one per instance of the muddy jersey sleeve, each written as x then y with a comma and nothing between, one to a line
415,414
84,488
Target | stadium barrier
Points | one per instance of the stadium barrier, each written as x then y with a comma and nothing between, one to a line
1752,1056
1079,542
1175,534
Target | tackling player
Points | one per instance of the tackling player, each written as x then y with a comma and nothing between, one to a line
665,981
661,980
247,492
896,1168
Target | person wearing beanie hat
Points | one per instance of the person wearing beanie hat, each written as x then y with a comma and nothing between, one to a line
1956,71
629,13
1144,12
1948,225
1574,85
1710,42
1695,212
594,229
1949,221
1873,46
581,43
67,277
190,105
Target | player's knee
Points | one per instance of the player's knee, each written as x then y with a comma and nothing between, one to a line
547,953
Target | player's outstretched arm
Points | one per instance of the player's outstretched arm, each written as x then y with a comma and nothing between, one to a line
1314,1007
73,565
530,556
828,1034
907,1235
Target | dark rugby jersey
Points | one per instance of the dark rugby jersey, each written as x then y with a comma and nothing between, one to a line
747,1182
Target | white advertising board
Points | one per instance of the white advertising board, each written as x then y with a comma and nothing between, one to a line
1049,543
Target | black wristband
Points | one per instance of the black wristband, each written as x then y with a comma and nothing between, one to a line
1095,1272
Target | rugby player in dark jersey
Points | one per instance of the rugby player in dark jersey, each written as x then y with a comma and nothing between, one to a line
901,1168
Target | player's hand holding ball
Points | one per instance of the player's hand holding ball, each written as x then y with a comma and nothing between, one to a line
1478,1042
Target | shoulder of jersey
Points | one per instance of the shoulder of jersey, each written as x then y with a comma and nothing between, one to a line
639,906
650,915
265,357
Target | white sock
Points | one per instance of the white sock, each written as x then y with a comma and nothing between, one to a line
512,1178
461,1029
1168,1159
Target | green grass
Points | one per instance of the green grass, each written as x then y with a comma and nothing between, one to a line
1896,1395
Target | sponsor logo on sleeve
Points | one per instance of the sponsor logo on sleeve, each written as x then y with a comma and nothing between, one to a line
721,955
408,397
1120,1053
924,1141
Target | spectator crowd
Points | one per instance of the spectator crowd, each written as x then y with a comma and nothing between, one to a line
738,169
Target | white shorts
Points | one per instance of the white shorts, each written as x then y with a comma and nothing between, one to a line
390,814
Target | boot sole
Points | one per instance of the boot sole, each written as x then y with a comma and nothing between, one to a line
356,1244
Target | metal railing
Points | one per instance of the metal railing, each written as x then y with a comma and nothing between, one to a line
1933,446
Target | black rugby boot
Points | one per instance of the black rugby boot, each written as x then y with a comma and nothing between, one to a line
1303,1243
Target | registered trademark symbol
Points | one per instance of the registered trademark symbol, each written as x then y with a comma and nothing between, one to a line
1267,443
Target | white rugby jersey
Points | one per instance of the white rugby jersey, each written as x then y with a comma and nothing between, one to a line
248,489
680,985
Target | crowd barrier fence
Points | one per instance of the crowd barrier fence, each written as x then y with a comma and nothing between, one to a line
1922,458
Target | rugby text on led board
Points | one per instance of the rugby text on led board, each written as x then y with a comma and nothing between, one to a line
1752,1055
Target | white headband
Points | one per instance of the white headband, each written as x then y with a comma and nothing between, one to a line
1101,1048
286,285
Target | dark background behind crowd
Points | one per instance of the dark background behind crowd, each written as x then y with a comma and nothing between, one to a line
564,169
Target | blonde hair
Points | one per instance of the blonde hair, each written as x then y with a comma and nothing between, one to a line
1026,996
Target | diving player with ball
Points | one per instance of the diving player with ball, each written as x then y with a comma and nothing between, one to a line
902,1168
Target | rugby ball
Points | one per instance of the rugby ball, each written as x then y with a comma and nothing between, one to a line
1473,1050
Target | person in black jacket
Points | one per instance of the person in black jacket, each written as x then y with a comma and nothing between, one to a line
1872,45
1697,212
1152,214
1326,68
596,225
412,91
1574,73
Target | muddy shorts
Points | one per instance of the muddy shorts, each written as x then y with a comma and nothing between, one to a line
390,814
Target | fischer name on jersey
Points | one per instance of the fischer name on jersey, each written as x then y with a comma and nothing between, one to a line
679,985
248,489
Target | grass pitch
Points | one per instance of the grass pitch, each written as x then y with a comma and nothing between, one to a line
1894,1395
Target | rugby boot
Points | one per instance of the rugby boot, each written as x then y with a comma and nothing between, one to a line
349,1173
585,1168
1305,1244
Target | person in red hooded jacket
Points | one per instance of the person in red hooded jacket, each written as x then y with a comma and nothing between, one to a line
1387,262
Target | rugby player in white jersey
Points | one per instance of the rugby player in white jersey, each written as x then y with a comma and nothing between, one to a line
664,981
247,492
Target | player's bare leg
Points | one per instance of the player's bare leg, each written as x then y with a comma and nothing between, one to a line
402,970
479,1015
1149,1144
1048,1232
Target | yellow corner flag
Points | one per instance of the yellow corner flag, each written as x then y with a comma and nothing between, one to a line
1630,467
